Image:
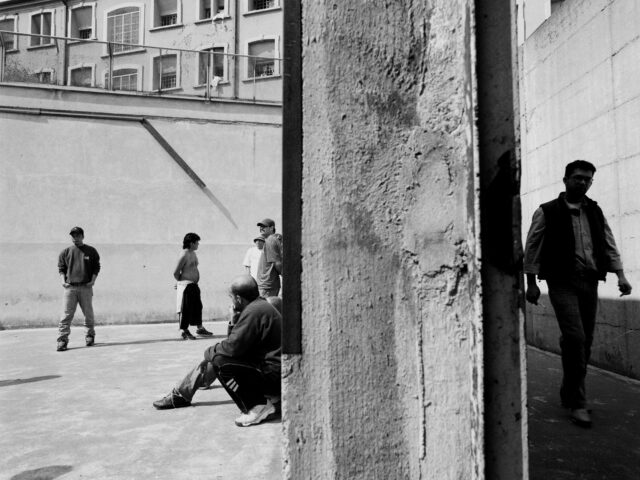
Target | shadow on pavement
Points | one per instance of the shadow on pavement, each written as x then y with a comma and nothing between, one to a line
142,342
560,450
20,381
43,473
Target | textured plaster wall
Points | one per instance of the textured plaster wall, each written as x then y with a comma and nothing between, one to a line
580,99
389,381
134,202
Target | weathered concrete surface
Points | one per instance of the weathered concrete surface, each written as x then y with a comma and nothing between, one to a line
580,99
110,176
87,412
389,381
558,449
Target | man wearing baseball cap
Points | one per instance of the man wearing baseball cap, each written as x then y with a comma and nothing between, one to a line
78,266
270,265
252,257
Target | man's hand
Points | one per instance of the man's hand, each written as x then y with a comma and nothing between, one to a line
533,294
623,284
65,284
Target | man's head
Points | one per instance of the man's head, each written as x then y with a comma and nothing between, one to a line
578,176
259,242
77,236
267,227
191,241
243,291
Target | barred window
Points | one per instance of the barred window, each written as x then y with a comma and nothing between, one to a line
123,26
123,79
165,72
82,22
261,4
165,13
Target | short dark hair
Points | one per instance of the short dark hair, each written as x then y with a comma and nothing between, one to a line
579,164
190,238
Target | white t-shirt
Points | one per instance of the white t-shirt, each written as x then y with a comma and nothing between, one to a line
251,260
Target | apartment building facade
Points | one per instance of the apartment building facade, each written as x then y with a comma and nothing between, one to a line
204,48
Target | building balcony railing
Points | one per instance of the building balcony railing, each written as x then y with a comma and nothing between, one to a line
127,68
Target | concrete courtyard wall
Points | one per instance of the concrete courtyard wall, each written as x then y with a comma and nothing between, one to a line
581,100
110,176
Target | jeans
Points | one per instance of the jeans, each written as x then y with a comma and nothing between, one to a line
246,384
74,295
575,303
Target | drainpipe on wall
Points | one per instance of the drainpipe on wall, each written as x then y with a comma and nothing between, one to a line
65,56
236,59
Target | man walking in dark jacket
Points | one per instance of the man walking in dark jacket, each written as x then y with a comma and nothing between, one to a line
247,363
78,266
571,246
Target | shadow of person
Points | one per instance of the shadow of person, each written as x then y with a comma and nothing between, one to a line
20,381
43,473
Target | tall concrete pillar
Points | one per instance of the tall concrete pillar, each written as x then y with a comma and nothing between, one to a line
384,376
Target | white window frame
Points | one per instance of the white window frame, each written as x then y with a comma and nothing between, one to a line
248,11
93,17
80,66
225,65
152,74
276,55
141,26
15,30
137,68
42,11
162,27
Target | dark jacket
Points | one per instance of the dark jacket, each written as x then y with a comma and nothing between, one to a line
557,259
255,338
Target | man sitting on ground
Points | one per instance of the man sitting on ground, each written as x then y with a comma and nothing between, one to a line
247,363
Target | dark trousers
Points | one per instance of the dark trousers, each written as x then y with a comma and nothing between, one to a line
247,384
575,303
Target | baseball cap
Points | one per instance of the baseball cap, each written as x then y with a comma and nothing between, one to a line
261,239
267,222
76,231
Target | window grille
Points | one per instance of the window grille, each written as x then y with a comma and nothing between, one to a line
84,33
166,20
123,26
168,80
207,13
124,79
44,77
263,4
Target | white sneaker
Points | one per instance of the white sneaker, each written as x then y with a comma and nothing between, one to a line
256,415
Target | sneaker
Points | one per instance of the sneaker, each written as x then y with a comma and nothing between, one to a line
62,346
171,401
186,334
256,415
203,332
581,417
89,340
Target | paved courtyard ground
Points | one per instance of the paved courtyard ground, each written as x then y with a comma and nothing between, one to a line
87,413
